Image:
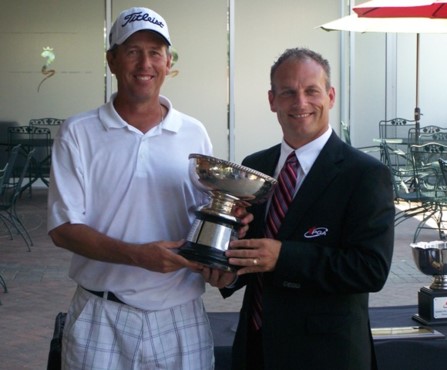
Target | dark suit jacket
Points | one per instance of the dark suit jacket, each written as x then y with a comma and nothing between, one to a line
337,245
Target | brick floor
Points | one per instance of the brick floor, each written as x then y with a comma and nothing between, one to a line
38,286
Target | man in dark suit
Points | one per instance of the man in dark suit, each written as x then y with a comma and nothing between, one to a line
333,247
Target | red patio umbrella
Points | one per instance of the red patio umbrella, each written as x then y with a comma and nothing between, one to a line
403,8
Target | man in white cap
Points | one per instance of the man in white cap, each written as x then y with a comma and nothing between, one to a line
121,200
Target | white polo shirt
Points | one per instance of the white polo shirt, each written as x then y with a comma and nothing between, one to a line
131,186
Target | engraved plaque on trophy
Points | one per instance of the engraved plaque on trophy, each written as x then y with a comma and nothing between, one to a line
431,259
229,185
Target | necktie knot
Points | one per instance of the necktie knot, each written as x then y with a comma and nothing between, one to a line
292,159
285,189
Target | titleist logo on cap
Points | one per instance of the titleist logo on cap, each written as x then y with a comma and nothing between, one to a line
140,16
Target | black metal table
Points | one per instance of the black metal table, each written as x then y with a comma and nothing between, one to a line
36,170
409,354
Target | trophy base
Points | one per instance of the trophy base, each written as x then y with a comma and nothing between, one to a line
208,240
432,308
208,256
424,322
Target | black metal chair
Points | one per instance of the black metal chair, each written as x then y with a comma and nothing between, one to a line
3,172
403,181
10,192
2,178
394,132
12,158
432,133
429,183
7,174
395,128
19,135
3,284
33,138
51,123
443,168
41,141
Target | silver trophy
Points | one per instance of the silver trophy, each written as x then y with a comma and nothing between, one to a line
431,259
229,185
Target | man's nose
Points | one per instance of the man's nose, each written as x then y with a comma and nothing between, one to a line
299,99
145,59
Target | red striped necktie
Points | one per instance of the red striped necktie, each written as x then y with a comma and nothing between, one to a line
281,199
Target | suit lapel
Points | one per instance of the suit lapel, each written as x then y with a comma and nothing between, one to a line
269,161
322,173
265,164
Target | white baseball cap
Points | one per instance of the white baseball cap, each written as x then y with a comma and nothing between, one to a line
137,19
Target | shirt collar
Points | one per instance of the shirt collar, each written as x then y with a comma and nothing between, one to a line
307,154
111,119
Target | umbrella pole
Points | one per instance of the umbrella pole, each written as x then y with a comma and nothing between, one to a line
417,110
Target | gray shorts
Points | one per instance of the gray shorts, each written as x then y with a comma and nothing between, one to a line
101,334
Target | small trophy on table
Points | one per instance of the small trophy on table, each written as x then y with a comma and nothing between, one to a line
431,259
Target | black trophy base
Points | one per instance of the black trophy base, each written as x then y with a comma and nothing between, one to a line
208,256
432,308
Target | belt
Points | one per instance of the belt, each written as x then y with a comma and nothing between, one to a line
106,295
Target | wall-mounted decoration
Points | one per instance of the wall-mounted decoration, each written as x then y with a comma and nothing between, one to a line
48,54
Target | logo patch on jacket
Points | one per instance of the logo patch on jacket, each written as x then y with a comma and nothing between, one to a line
315,232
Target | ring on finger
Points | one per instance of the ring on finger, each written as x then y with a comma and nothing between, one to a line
255,261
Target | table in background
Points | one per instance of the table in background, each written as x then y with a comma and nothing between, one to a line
4,145
40,166
392,354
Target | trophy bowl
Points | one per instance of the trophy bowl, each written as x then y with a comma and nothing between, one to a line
229,185
431,259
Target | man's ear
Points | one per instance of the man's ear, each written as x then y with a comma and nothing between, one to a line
271,97
168,63
110,56
332,96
